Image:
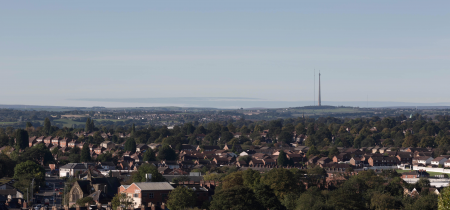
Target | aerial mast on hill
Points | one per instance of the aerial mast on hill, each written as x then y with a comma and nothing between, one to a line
320,98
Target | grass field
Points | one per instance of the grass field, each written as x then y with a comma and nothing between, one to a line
68,123
114,120
324,111
431,173
6,123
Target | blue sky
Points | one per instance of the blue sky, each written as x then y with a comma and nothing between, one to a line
54,51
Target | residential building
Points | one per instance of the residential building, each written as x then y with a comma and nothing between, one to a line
415,174
439,161
108,145
71,169
143,193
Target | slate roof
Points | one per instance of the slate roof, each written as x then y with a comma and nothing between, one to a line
154,185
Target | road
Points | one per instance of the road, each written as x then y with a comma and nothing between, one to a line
49,192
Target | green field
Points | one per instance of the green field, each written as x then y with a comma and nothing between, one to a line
298,112
431,173
6,123
68,123
114,120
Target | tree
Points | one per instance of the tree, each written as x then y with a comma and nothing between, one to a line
21,139
381,201
87,128
316,175
312,151
282,182
333,151
47,126
39,154
410,141
282,159
231,128
29,125
83,201
167,153
311,199
232,180
6,166
300,129
444,199
140,175
181,198
133,130
149,155
85,154
267,198
130,145
176,180
121,199
55,151
91,126
238,197
251,178
285,136
30,170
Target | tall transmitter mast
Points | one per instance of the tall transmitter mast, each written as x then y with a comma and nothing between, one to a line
320,97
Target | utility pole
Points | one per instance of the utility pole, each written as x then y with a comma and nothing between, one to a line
54,194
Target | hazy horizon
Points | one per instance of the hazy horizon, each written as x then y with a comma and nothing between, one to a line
383,51
217,102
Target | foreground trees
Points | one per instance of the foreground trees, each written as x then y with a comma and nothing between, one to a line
281,189
181,198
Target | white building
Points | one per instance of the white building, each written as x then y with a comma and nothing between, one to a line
71,169
438,161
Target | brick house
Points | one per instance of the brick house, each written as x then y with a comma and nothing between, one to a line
143,193
382,161
32,141
63,142
405,157
141,147
56,140
99,150
208,148
40,139
48,140
341,157
415,174
107,145
72,143
295,157
324,160
355,161
236,147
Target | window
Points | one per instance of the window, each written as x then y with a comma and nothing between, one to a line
136,195
163,195
150,195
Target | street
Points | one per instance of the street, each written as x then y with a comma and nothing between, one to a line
49,192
